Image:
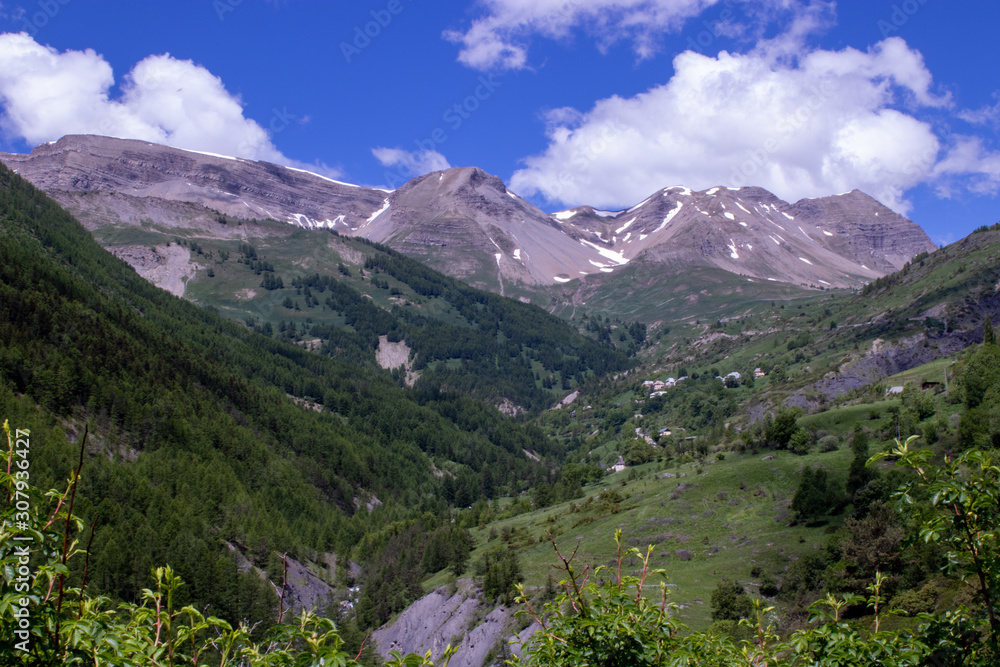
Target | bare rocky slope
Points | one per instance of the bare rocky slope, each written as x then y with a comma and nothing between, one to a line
147,173
466,223
836,241
458,617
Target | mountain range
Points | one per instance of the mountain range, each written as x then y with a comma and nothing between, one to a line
467,224
222,451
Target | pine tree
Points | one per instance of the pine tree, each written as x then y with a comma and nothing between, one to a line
989,338
858,475
816,496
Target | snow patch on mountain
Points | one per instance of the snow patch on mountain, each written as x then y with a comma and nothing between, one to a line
670,216
385,207
616,257
625,226
639,205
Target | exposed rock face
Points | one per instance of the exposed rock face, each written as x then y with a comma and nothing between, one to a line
303,589
393,355
836,241
167,267
237,187
433,621
864,230
466,223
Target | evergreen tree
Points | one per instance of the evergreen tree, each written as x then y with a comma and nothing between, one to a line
989,338
859,475
800,442
779,432
501,571
815,497
982,373
730,602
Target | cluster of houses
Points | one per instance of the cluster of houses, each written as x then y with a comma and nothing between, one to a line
660,387
757,374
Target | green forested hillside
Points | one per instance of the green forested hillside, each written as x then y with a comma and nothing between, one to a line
339,295
201,429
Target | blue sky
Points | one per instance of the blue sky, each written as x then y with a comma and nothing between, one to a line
571,102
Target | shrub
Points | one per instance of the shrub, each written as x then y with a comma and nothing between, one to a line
768,586
615,625
501,572
829,443
730,602
800,442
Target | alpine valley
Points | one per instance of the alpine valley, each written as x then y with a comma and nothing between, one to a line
389,406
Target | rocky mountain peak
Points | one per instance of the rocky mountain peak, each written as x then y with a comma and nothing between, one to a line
234,186
465,222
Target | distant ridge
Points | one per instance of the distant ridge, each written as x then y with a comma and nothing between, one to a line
466,223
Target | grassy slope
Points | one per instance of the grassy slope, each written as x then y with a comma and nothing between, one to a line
727,529
646,292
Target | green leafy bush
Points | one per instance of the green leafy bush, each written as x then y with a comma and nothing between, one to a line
46,621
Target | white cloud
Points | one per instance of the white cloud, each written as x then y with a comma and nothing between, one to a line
411,164
806,126
45,94
500,38
988,115
972,164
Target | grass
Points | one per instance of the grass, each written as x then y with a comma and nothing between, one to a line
732,516
842,420
933,372
643,292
